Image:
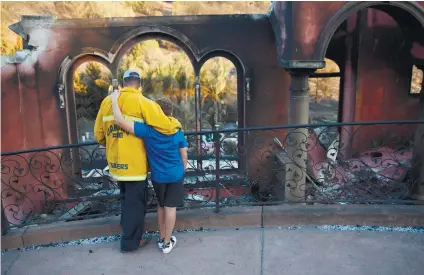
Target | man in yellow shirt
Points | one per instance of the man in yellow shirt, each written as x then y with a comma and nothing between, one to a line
126,154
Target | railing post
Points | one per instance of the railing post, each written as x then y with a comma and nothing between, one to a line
418,160
217,168
4,222
198,123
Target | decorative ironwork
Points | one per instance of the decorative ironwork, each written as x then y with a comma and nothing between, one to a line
325,163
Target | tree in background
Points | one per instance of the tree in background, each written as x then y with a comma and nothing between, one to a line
215,7
218,84
91,86
167,71
325,88
11,12
7,48
417,80
324,93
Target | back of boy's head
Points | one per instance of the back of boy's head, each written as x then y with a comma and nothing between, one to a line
166,105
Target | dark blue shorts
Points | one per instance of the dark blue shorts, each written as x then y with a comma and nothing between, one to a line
170,194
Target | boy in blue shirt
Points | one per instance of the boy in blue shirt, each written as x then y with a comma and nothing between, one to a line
167,157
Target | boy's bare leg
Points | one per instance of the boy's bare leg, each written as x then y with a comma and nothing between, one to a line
170,217
161,222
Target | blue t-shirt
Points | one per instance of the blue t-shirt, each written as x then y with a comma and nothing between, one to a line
163,153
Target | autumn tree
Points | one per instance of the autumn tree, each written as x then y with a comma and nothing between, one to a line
325,88
417,80
218,84
12,11
166,70
90,87
9,49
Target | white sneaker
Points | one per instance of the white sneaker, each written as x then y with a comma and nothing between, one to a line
160,243
168,247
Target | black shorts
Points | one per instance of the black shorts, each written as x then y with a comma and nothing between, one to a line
170,194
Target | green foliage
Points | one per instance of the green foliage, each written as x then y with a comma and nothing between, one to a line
5,46
136,6
167,71
91,86
8,48
417,80
12,11
79,86
224,7
145,8
218,82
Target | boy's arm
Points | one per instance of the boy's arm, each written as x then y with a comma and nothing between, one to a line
183,149
99,133
136,128
118,116
183,154
154,116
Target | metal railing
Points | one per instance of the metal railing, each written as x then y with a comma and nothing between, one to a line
373,162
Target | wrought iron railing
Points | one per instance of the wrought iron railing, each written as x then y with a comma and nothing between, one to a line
374,162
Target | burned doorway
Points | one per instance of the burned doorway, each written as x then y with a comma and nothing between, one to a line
375,45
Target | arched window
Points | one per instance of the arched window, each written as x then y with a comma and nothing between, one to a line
218,90
218,102
92,81
166,71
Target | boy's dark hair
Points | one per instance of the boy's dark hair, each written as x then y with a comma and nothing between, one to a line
166,105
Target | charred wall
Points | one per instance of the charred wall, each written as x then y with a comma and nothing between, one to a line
33,115
32,85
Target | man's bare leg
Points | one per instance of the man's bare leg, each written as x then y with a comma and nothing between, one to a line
161,222
170,217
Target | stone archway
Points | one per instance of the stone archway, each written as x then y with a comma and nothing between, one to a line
405,12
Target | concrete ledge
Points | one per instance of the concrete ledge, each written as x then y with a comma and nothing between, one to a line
231,217
68,231
371,215
13,239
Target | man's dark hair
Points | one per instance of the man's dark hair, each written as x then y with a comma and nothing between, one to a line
132,81
166,105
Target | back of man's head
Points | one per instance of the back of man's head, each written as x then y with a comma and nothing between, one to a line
132,79
166,105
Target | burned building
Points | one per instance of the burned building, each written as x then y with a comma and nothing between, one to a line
376,46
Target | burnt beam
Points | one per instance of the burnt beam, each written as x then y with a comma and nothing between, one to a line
325,75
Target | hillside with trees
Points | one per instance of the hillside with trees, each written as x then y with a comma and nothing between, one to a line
11,12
